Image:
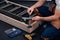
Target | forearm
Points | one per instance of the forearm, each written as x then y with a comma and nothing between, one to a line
50,18
38,4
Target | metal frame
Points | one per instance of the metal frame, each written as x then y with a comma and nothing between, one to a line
17,23
16,4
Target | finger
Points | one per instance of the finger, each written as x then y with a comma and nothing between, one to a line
33,18
29,11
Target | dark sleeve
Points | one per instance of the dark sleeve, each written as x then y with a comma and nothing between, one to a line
44,11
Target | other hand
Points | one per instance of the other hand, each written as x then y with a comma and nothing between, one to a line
30,10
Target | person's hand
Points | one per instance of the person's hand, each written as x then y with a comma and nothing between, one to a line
36,18
30,10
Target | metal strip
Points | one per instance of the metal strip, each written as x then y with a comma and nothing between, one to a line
22,13
6,6
13,9
18,4
6,1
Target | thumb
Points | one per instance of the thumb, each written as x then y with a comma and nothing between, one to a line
30,11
